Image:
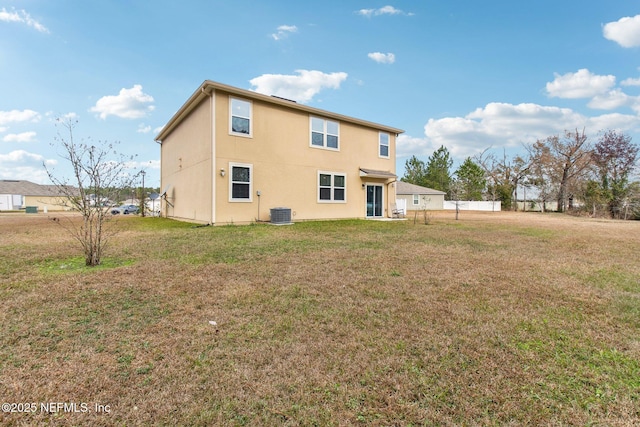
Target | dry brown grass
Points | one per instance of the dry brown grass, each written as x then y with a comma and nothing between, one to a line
495,319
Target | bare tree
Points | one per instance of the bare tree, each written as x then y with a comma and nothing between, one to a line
634,199
541,174
615,158
520,169
495,172
566,160
96,175
504,175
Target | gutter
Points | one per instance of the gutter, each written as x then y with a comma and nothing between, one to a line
193,101
208,86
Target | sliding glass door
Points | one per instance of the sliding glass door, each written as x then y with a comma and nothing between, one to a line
374,200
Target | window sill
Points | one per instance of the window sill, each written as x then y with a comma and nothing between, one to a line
241,135
324,148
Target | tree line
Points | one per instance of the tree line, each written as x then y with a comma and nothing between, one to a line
566,172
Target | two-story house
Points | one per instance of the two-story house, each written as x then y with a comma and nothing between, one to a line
231,155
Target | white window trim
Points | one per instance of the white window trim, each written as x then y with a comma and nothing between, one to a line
416,199
324,133
231,132
388,145
333,174
242,165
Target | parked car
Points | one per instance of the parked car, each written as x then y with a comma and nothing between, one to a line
125,210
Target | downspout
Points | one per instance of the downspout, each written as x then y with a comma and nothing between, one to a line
388,198
160,199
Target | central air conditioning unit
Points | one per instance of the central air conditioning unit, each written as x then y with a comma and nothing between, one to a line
280,216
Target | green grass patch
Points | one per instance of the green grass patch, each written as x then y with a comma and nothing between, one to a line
151,224
575,371
627,309
77,264
614,278
538,233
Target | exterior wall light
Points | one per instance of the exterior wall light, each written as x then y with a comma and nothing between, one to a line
222,172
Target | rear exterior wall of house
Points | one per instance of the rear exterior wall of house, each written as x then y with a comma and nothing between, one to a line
234,158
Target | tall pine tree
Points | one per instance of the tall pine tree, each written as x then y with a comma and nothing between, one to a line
471,180
414,171
438,175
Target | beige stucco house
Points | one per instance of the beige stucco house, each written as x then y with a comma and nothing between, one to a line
21,194
419,198
231,155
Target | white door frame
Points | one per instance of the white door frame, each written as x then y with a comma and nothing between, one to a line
375,203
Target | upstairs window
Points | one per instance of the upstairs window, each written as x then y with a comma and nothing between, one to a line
240,182
324,133
383,145
240,117
331,187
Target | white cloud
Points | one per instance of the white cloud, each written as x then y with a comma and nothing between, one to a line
20,137
21,164
612,100
22,17
382,58
386,10
505,125
128,104
630,82
407,146
625,31
69,116
525,121
137,165
582,84
612,121
143,129
301,87
16,116
284,31
153,164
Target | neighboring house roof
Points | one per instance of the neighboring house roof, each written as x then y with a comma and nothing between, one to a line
28,188
406,188
208,87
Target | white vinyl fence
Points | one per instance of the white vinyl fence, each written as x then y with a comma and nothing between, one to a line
472,206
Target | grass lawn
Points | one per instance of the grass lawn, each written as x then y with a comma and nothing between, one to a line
495,319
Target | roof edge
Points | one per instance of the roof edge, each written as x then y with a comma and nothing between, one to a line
184,110
405,188
208,87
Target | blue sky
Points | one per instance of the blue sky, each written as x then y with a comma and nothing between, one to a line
464,74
